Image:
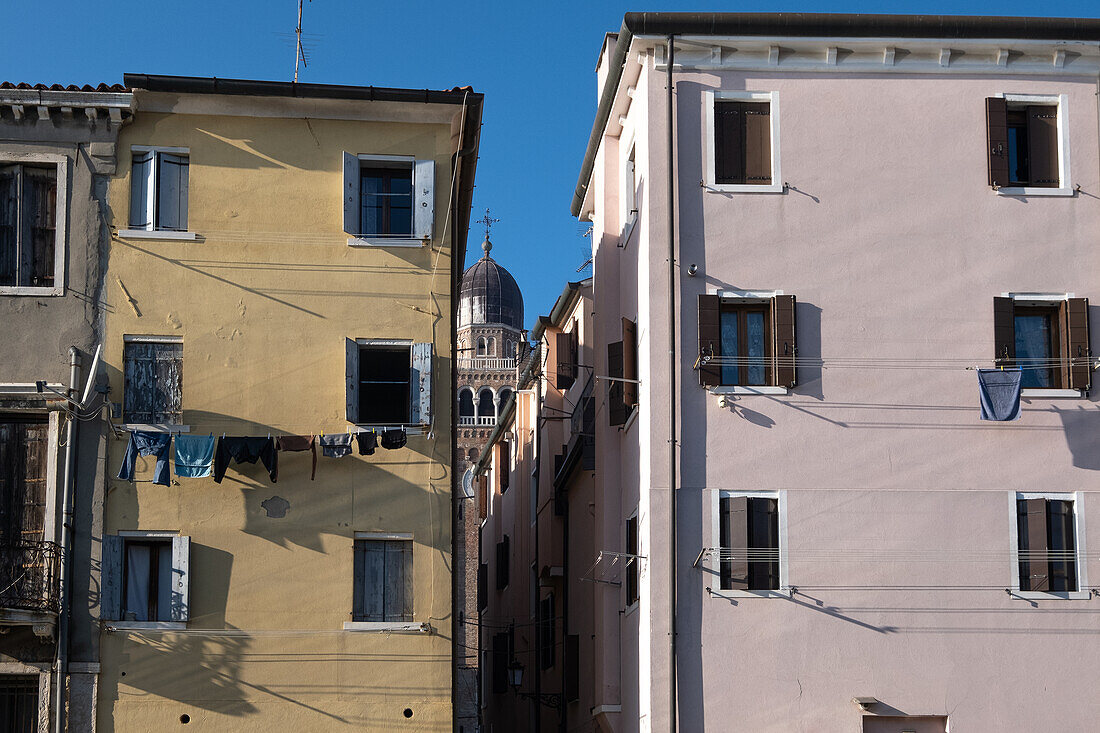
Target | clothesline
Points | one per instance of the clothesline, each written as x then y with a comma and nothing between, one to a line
946,364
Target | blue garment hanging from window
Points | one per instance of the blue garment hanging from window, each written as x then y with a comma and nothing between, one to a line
194,455
147,444
999,393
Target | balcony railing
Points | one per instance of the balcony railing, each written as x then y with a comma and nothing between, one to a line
28,576
489,421
488,363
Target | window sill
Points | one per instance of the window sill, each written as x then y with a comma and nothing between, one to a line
392,627
386,242
742,390
1035,595
633,418
155,428
628,229
1033,392
1033,191
145,625
745,188
631,608
30,290
156,234
781,593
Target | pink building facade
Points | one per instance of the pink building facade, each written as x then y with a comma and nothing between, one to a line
864,211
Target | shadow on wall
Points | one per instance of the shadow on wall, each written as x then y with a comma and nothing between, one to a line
1081,424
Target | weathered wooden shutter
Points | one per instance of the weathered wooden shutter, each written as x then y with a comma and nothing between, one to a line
110,598
571,677
764,541
733,535
565,369
181,579
758,142
423,198
1077,370
351,377
630,365
141,188
420,385
500,663
1004,331
352,217
710,340
729,166
785,350
1034,568
397,591
1042,146
996,137
616,406
370,579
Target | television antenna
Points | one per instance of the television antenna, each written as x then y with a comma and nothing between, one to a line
299,53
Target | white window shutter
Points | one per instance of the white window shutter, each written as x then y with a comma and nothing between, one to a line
423,199
141,212
420,396
110,599
181,579
351,374
351,194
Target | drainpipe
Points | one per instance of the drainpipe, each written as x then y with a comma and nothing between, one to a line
62,664
672,398
538,588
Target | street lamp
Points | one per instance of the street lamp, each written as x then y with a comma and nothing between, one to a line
515,679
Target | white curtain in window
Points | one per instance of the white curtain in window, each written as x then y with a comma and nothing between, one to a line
138,559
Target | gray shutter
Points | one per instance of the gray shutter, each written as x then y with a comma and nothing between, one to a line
1004,331
181,578
407,586
630,364
420,392
734,538
710,340
1042,146
351,194
359,580
423,198
996,135
394,591
1077,343
351,376
140,201
110,598
374,578
785,351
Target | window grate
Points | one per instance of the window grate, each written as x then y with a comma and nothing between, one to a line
19,703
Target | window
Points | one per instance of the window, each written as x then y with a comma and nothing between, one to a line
24,456
146,577
1046,543
388,382
388,199
562,358
747,340
30,249
19,703
486,407
482,586
504,464
1025,141
630,187
501,656
622,363
466,404
481,346
743,135
533,491
504,556
546,632
154,381
159,189
750,541
632,593
492,348
1047,336
383,580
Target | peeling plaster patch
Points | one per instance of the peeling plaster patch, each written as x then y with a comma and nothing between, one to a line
276,507
241,308
220,333
173,321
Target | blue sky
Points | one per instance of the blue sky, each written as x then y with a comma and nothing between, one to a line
534,62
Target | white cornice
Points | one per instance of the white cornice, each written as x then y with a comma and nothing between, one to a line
44,101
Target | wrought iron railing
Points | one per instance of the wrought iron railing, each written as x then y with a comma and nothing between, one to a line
28,576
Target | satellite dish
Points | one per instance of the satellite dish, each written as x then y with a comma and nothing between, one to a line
468,484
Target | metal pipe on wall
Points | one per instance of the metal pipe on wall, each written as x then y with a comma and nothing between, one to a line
672,395
61,672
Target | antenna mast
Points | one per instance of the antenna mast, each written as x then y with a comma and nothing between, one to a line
298,54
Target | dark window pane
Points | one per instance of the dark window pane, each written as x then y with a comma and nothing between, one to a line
730,349
386,201
9,216
40,186
1017,153
755,345
1034,349
384,385
1063,568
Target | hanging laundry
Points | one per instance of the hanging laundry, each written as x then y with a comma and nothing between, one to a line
295,443
999,393
395,438
147,444
367,443
246,450
194,455
335,446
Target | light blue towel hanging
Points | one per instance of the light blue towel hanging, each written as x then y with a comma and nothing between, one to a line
999,393
194,455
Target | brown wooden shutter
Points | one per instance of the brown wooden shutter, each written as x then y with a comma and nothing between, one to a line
1034,569
1042,146
630,365
734,538
729,165
616,406
784,351
710,340
1076,342
566,366
764,540
1004,331
482,496
758,142
996,135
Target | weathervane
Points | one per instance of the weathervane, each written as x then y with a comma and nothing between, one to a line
488,221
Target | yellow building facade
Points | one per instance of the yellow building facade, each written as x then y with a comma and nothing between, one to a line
277,250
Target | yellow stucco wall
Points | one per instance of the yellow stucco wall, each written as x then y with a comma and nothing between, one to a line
263,302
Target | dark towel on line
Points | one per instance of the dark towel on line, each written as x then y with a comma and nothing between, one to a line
999,393
367,443
394,439
295,443
246,450
335,446
147,444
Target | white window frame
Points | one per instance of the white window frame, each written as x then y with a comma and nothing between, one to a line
714,563
1065,182
747,296
61,218
1040,299
144,534
1083,593
150,202
710,97
425,403
423,222
628,176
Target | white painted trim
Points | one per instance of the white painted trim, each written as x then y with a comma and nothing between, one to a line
383,535
734,294
159,149
150,534
715,565
748,390
386,242
632,419
134,338
21,290
1078,499
1033,392
719,593
632,607
777,185
1046,297
386,158
53,453
606,709
391,627
628,228
384,342
157,234
146,625
1028,595
1033,191
154,428
61,221
22,388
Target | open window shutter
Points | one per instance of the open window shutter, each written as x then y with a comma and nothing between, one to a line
482,496
616,406
728,152
359,581
566,368
996,136
758,143
764,539
1077,344
181,578
172,192
141,180
785,351
371,592
351,194
1042,146
423,198
1036,548
397,593
110,599
420,394
710,340
630,364
734,538
1004,331
551,360
351,375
